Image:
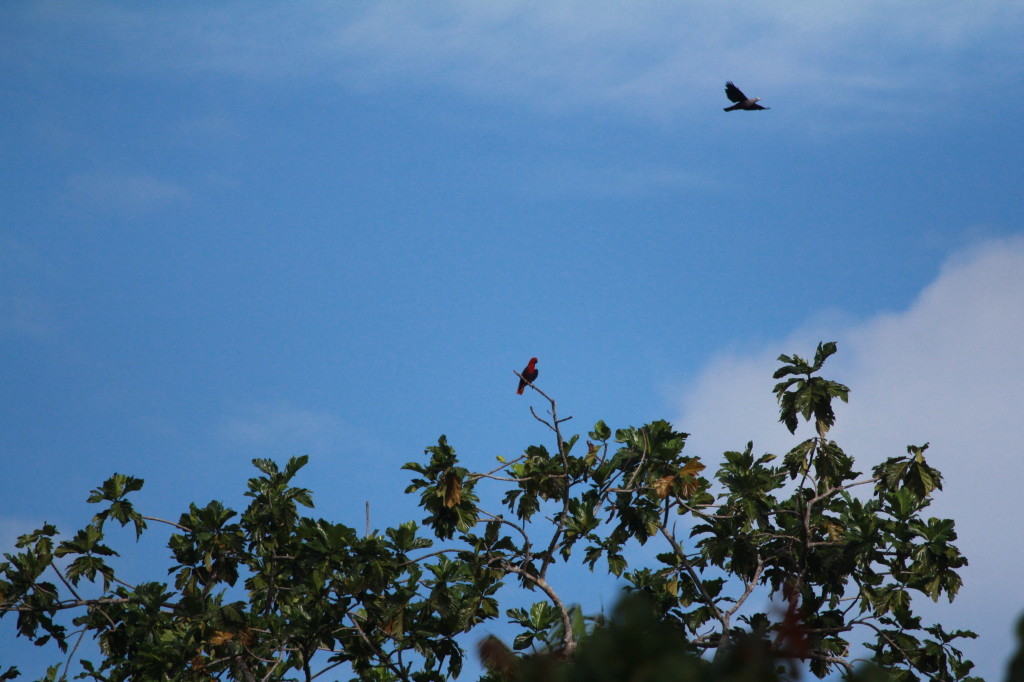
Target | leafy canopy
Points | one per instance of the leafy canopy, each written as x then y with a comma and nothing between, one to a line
760,569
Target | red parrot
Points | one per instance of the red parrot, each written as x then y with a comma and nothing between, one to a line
529,375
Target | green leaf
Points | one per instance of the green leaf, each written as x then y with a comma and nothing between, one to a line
601,431
806,395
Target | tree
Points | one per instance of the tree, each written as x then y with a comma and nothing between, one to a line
839,554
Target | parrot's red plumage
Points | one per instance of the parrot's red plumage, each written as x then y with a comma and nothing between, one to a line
529,374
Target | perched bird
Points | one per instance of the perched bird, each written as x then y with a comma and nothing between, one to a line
529,374
742,101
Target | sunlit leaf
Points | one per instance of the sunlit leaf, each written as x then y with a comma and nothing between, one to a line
221,637
452,489
663,485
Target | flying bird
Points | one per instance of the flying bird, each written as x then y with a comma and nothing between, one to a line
529,375
742,101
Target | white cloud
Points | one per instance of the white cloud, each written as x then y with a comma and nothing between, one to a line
948,370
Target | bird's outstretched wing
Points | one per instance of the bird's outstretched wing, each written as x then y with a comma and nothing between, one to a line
757,106
733,93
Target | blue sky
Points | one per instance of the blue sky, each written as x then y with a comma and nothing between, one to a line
258,230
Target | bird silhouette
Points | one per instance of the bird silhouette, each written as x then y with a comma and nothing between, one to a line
742,101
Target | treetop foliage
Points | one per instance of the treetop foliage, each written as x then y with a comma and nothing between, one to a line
761,569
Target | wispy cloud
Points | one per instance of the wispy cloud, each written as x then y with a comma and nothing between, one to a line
576,180
652,58
201,129
23,310
283,430
659,58
11,528
26,315
948,370
131,193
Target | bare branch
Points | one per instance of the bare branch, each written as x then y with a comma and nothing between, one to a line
507,479
383,655
643,458
427,556
554,425
894,645
530,384
67,664
169,523
568,638
246,672
69,604
829,658
280,657
704,515
541,419
560,524
840,488
502,519
489,474
66,583
331,666
751,584
708,600
115,579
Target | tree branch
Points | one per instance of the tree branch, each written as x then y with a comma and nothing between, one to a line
381,654
169,523
568,638
68,604
489,474
751,585
708,600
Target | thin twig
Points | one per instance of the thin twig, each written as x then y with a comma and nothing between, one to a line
477,477
502,519
69,604
67,664
530,384
385,658
721,617
643,458
246,672
541,419
704,515
427,556
66,583
896,646
568,638
169,523
490,473
753,582
829,658
280,657
560,524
